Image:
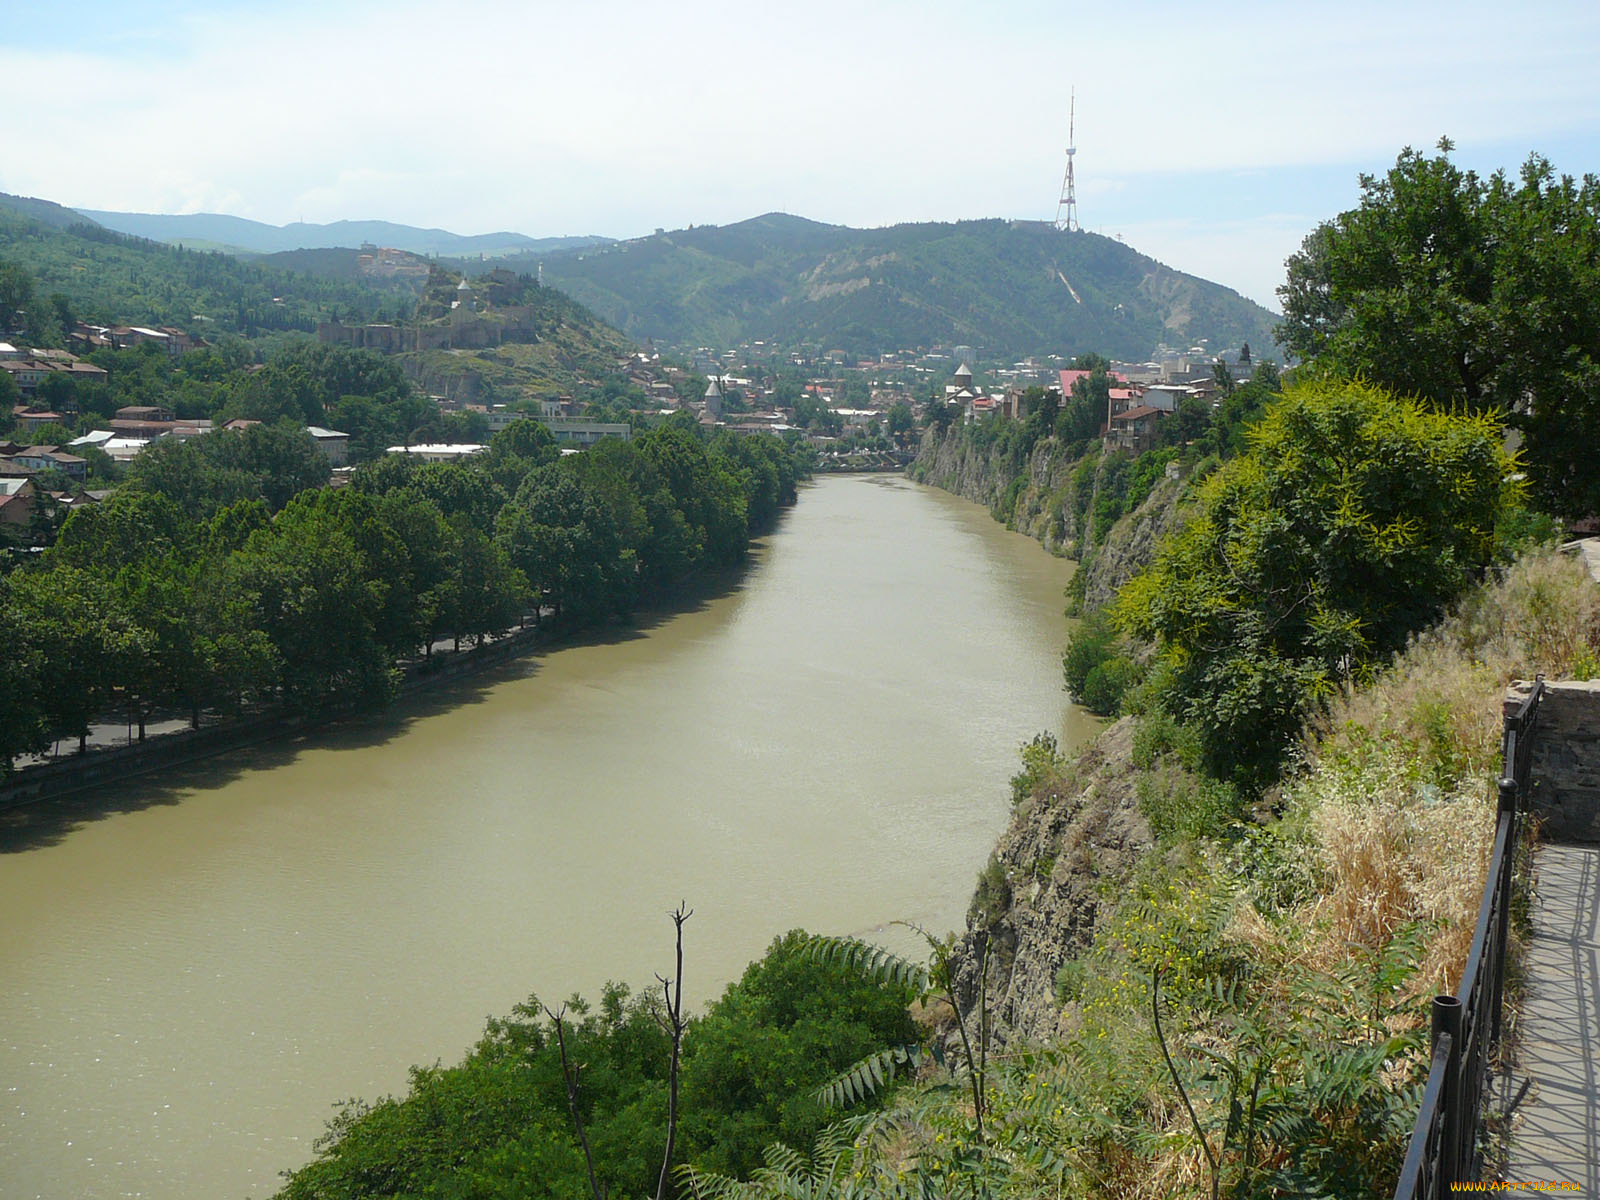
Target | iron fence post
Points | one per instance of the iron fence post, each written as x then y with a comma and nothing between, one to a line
1509,809
1447,1022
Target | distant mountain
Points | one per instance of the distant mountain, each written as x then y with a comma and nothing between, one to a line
239,235
1007,288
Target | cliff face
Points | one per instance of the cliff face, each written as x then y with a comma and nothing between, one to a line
1132,542
1069,846
1077,838
1059,501
985,476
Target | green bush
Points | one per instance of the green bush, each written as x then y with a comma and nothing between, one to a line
1107,682
1097,671
1350,524
498,1124
991,899
1181,805
1041,763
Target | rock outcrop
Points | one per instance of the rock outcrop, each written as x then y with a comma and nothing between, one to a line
1057,500
1069,846
1080,834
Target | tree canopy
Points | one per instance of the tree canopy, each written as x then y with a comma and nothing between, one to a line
1354,517
1468,293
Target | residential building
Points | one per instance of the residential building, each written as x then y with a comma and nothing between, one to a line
580,431
439,451
332,443
16,500
45,458
1135,429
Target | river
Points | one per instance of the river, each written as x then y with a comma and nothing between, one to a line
193,970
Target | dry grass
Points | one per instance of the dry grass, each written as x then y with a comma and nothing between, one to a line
1389,852
1543,617
1400,811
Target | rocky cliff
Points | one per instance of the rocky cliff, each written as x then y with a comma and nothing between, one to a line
1077,833
1072,841
1071,505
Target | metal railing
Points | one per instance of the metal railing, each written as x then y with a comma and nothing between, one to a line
1466,1026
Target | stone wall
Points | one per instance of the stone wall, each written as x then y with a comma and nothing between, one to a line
1566,760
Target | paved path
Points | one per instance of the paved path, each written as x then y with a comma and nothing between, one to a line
1558,1134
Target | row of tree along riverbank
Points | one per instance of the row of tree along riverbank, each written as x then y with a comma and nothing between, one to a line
191,589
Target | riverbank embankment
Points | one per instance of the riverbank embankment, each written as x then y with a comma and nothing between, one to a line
104,764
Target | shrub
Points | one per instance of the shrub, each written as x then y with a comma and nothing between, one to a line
1042,762
1107,682
1096,670
1353,520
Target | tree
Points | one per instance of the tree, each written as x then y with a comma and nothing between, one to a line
941,414
87,642
1471,293
1354,518
529,440
563,542
321,582
16,292
58,393
901,420
755,1061
22,717
1084,413
489,590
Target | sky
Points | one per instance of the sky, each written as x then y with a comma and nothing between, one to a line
1212,137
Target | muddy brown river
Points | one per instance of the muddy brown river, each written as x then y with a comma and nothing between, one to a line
194,969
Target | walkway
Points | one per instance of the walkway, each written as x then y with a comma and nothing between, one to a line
1557,1135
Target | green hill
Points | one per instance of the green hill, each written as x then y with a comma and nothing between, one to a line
113,278
243,235
117,279
1007,287
46,212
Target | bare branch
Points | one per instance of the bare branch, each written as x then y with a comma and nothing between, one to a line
673,995
569,1075
1161,1040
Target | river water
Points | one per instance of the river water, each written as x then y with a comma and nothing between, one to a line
193,970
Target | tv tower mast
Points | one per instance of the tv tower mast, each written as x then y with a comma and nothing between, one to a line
1067,209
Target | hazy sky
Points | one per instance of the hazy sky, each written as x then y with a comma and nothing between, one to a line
1212,137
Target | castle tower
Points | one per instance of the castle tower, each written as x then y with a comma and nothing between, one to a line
1067,207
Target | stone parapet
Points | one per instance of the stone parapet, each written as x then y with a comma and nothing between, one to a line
1566,760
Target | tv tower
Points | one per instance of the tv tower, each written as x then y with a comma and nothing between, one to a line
1067,209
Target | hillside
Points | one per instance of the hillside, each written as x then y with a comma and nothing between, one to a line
117,279
113,278
1008,288
46,212
238,234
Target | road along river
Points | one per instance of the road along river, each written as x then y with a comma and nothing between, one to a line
194,969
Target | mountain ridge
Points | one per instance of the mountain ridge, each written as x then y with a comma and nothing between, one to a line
243,235
1009,288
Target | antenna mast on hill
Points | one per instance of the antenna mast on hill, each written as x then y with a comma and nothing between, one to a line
1067,209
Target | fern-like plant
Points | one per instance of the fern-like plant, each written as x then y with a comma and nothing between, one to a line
934,979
